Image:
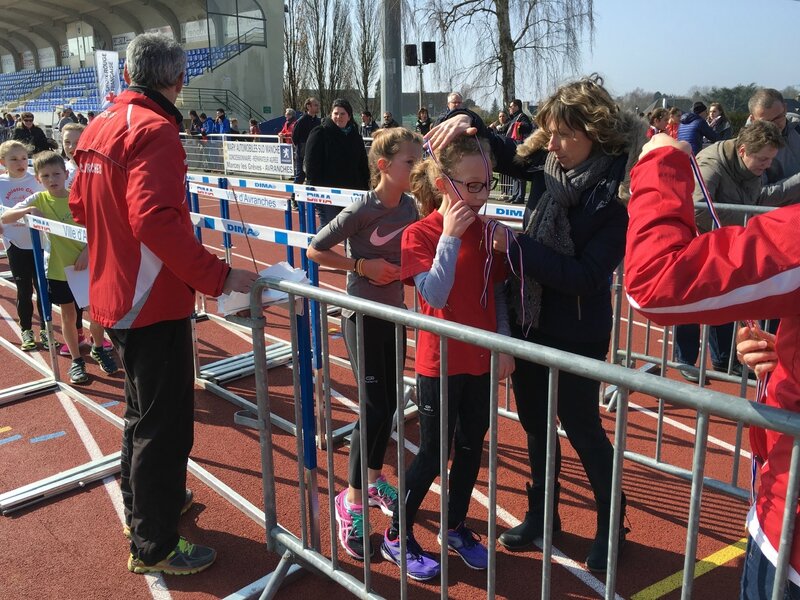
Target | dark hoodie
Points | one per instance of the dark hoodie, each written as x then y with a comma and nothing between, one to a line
336,159
693,129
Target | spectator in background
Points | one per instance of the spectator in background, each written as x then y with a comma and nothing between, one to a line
221,122
82,120
90,116
719,122
285,134
195,123
368,124
782,179
454,102
67,116
9,120
254,130
208,124
424,122
674,122
335,156
501,124
31,135
305,124
519,128
388,121
693,128
235,125
659,119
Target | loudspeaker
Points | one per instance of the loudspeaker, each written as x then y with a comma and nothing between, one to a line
428,52
410,54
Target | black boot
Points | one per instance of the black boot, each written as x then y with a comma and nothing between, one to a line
598,553
532,527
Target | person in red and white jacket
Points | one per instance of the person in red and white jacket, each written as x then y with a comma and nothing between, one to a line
673,276
145,265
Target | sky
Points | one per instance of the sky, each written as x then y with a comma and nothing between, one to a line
674,45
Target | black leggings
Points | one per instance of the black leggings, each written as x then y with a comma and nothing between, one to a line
578,411
381,389
23,269
468,421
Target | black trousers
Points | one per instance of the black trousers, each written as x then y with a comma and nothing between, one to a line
467,423
159,432
23,269
380,378
578,411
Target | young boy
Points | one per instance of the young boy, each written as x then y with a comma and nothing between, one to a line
70,134
53,204
16,185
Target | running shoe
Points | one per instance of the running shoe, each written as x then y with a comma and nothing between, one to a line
419,565
350,526
45,341
77,371
28,340
468,546
103,358
384,495
82,343
185,559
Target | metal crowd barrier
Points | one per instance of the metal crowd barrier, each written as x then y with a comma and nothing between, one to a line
304,548
654,356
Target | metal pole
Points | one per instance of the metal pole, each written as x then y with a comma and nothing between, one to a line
392,75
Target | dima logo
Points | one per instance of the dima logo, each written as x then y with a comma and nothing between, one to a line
510,212
233,228
264,185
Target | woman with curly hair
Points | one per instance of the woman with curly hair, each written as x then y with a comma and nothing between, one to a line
573,239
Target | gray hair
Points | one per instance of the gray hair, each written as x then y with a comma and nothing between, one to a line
154,61
764,98
452,96
291,112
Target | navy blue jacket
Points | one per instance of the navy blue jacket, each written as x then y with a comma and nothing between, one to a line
576,294
693,129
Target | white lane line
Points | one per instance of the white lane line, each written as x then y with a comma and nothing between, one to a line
155,582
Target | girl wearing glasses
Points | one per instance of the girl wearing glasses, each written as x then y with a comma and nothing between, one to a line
443,254
573,239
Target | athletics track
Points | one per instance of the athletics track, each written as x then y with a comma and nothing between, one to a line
72,546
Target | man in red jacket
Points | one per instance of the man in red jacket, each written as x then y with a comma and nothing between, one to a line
145,265
674,276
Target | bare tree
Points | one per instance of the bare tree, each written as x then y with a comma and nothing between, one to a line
295,44
366,46
328,43
536,39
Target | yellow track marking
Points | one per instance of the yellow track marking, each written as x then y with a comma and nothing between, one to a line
703,566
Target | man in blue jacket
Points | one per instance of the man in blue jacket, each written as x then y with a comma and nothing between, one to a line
694,128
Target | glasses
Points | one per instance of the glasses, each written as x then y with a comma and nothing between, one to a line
476,187
27,120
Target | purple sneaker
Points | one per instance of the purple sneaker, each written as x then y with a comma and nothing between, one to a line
418,564
350,526
468,546
384,495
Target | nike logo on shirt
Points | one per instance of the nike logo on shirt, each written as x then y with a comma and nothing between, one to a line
379,240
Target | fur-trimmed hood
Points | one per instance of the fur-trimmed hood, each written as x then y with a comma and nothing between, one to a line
636,130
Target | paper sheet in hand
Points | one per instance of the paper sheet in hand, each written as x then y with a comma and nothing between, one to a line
79,285
234,302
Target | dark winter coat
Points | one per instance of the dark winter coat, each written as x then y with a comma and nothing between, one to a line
334,158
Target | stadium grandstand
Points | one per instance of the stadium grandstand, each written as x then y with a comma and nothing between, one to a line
234,47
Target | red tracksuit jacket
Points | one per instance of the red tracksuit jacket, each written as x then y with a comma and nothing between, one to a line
674,276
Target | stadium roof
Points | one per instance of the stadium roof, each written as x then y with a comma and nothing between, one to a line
29,26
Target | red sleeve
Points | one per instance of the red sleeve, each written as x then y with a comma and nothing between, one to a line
417,252
158,212
674,276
